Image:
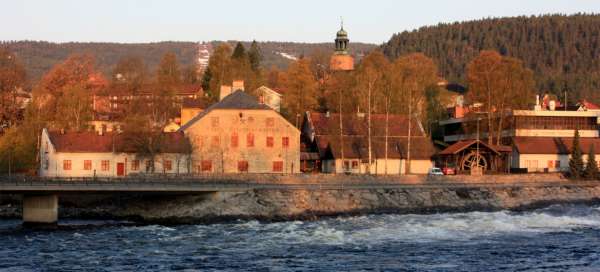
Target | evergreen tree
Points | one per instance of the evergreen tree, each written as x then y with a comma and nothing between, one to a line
239,52
206,77
576,160
254,56
591,168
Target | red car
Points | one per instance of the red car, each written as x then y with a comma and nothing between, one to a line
448,171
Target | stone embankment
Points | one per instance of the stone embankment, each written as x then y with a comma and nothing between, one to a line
437,195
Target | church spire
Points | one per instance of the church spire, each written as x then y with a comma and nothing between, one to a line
341,59
341,40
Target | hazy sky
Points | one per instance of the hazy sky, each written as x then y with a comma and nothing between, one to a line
300,20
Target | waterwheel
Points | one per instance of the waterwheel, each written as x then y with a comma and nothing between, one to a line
473,160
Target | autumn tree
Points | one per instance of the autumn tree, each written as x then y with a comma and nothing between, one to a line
76,69
73,79
129,75
300,90
411,75
371,84
74,108
218,66
500,84
191,75
12,77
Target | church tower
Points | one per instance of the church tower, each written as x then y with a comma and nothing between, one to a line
341,60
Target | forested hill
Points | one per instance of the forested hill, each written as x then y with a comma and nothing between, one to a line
38,56
563,51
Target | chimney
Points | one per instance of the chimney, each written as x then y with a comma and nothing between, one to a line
238,85
225,91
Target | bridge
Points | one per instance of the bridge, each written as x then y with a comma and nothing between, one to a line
40,195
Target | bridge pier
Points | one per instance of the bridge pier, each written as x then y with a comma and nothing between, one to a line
40,210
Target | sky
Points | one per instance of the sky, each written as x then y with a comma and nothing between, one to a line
130,21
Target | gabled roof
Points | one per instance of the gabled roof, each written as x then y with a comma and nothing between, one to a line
553,145
329,124
269,90
91,142
357,147
237,100
462,145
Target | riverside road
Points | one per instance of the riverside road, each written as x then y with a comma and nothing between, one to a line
22,184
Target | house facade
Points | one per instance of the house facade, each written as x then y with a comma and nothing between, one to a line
241,135
541,138
348,152
91,154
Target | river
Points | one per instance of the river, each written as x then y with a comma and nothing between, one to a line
556,238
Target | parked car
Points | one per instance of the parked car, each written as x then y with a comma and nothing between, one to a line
449,171
435,171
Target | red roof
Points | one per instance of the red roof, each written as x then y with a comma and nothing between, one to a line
462,145
553,145
91,142
353,124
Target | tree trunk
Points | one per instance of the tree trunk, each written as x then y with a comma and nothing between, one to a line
369,127
407,171
341,131
387,122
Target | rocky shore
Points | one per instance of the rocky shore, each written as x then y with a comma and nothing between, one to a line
308,204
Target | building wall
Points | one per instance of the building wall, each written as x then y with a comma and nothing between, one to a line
538,162
211,138
52,162
394,166
188,113
341,63
554,133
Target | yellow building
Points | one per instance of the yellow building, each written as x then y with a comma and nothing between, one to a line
238,134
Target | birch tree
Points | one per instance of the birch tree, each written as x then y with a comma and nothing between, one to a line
411,75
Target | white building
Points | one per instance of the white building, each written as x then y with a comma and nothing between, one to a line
89,154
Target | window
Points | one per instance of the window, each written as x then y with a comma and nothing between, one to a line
105,165
148,165
550,164
270,122
269,141
557,164
67,165
216,141
242,166
250,140
277,166
234,140
215,121
135,165
346,165
206,166
354,164
46,164
87,165
167,165
285,141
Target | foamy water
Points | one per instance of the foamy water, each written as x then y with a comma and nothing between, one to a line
558,238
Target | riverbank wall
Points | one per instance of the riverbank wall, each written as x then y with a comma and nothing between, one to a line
426,195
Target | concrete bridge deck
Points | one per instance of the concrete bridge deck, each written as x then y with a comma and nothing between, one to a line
32,185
